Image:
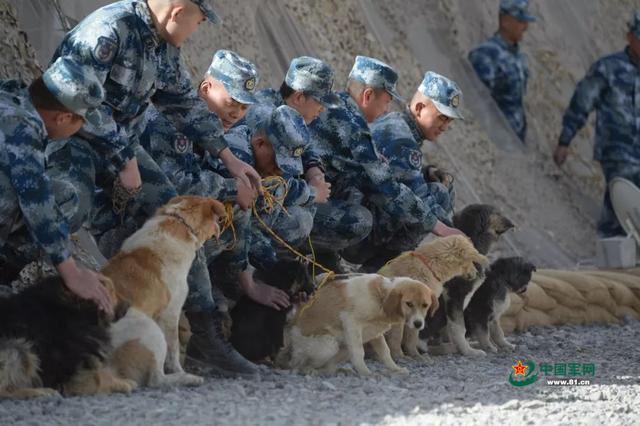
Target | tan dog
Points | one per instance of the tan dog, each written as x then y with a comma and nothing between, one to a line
150,272
432,263
348,312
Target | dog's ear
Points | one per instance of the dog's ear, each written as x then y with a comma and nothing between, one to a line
218,209
392,305
435,304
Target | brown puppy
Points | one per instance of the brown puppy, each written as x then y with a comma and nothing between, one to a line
432,263
348,312
150,272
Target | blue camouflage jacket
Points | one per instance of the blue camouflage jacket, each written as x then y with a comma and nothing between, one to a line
300,193
612,88
398,138
173,152
504,69
119,44
23,138
352,160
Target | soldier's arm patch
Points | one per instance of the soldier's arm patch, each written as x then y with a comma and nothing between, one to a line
182,144
105,50
415,159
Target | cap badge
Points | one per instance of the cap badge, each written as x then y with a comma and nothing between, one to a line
250,84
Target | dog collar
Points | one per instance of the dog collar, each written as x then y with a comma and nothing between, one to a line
426,263
184,222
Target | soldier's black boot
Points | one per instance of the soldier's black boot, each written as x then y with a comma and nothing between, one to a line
209,349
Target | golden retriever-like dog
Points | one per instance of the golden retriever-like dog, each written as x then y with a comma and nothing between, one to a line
432,263
150,273
347,312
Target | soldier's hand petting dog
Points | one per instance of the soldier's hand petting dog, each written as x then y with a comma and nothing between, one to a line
85,284
442,230
263,293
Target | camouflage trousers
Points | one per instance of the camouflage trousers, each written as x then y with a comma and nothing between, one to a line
608,225
339,224
293,226
390,236
17,247
92,178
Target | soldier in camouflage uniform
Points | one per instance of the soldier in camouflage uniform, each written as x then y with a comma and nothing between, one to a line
133,47
399,137
612,88
503,67
228,89
356,170
275,147
37,213
307,89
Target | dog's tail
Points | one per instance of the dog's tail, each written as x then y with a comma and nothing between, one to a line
19,365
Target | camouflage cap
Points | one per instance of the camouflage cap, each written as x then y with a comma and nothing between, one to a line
237,74
375,73
634,24
288,134
314,78
519,9
444,93
208,11
76,88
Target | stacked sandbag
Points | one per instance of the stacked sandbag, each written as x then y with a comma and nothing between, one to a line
575,297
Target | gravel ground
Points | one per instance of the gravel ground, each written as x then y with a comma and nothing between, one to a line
451,390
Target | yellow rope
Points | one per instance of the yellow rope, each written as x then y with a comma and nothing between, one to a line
228,223
271,184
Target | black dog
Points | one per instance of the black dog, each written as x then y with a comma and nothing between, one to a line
257,330
48,334
482,316
484,225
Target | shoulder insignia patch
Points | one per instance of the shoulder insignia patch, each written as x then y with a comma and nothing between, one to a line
415,159
298,151
181,144
105,50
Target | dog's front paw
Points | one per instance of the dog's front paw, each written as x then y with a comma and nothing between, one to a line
475,352
507,347
400,370
424,359
489,348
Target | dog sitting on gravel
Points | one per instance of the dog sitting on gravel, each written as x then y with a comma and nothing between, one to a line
150,273
432,263
484,225
491,300
347,312
257,330
51,341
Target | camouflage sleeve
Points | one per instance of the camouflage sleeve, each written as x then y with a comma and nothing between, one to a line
41,213
94,48
583,101
405,161
311,158
299,193
483,63
180,103
403,202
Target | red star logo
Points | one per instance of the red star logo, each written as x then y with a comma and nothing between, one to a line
520,368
